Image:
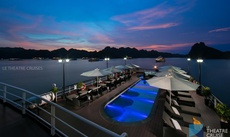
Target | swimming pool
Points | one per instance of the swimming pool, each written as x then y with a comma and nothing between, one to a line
133,105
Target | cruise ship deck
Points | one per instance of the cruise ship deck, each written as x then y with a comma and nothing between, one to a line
14,123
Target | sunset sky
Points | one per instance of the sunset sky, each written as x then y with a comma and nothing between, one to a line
163,25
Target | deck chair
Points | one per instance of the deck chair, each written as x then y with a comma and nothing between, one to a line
174,113
183,108
182,94
183,100
173,128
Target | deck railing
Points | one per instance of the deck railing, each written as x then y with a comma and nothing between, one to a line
214,100
18,98
73,87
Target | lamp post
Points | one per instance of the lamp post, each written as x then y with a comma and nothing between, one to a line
63,61
199,61
188,59
125,58
107,62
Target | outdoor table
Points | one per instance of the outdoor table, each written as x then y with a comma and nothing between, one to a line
122,77
102,84
112,80
107,82
70,97
83,92
94,88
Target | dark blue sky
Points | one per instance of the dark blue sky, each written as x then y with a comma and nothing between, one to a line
162,25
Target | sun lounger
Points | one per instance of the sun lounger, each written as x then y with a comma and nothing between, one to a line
182,108
173,128
183,100
187,118
186,101
182,94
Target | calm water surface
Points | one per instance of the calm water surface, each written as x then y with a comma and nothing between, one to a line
39,75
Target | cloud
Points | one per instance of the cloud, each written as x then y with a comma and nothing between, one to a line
101,38
16,23
220,30
158,17
161,26
144,16
166,47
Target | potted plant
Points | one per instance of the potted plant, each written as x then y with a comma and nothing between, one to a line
206,93
224,112
55,90
198,90
79,85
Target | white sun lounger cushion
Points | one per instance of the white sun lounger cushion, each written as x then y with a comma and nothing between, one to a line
175,111
175,102
176,124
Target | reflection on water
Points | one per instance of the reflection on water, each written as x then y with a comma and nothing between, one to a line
39,75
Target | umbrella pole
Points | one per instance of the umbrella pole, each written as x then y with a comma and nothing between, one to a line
97,81
170,97
97,84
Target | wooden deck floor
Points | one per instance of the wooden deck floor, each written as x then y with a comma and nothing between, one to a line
13,123
209,116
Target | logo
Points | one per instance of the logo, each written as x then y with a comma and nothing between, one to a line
196,130
215,132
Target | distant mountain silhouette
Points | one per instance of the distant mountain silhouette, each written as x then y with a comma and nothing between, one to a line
111,52
200,50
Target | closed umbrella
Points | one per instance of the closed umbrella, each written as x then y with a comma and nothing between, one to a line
172,84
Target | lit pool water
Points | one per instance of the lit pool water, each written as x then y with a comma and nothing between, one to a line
133,105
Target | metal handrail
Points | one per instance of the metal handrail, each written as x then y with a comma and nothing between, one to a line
215,100
24,103
71,87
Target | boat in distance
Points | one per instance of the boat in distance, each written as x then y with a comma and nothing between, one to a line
160,59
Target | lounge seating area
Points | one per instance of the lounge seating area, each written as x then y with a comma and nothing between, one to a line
183,108
96,90
177,116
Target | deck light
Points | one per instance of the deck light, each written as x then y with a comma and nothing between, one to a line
125,58
107,62
188,59
199,61
63,61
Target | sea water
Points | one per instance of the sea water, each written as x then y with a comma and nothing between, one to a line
38,75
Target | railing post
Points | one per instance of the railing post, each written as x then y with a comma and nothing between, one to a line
214,102
23,102
52,120
4,94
